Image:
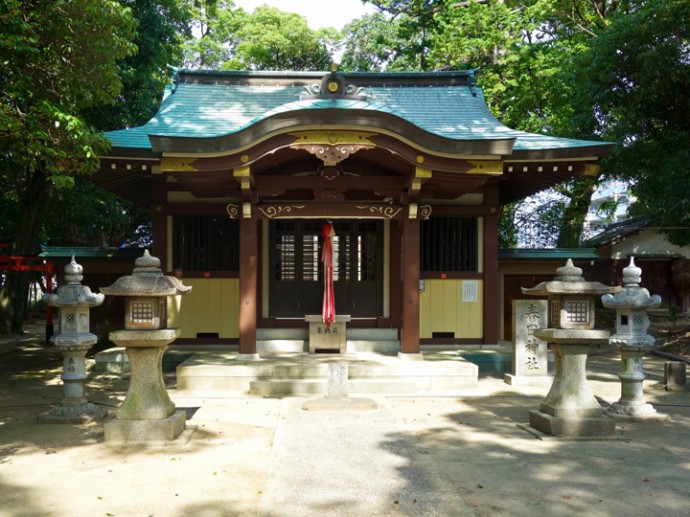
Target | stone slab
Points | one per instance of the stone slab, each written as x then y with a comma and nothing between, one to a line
159,430
337,380
528,380
530,354
340,404
675,375
572,427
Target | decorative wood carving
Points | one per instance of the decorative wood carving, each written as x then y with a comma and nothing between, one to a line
329,195
233,211
278,211
425,212
332,146
334,137
331,154
178,165
493,167
385,211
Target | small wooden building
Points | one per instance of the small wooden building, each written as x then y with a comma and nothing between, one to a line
242,169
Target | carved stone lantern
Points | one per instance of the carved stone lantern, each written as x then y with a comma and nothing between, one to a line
570,408
631,338
74,301
147,413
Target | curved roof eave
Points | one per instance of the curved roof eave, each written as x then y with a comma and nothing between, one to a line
281,122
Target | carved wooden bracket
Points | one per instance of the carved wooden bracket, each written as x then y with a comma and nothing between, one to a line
279,211
233,211
332,146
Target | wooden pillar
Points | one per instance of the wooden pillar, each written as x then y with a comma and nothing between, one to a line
410,287
396,274
159,220
248,285
492,283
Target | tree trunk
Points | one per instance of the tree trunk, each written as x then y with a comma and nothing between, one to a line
14,294
572,223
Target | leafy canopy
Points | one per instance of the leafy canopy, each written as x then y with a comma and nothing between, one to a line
58,58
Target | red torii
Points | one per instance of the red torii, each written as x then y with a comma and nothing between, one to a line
32,263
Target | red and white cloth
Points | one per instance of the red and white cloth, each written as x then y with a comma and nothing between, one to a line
328,310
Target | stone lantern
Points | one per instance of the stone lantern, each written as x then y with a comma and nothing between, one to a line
147,413
570,408
631,338
74,301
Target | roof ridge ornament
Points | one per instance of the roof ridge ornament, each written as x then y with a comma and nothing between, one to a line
333,85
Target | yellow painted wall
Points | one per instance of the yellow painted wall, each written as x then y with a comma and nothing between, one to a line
442,309
212,306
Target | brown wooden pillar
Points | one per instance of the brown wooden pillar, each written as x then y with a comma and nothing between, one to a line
249,259
396,273
492,283
410,287
159,222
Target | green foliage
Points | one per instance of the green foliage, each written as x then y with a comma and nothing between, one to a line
161,28
88,216
371,43
268,39
636,75
58,58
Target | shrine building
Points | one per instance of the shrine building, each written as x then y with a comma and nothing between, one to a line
241,171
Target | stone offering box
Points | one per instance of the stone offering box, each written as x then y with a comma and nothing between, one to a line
322,337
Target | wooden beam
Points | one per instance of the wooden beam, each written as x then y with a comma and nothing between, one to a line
351,210
273,185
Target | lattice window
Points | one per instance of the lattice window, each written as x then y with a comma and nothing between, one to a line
577,311
205,243
449,244
141,312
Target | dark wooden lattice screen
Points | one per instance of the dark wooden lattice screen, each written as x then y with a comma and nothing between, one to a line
205,243
449,244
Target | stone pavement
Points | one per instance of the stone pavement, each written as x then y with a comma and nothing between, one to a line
443,454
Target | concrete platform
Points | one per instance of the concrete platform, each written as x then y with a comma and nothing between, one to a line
459,453
307,374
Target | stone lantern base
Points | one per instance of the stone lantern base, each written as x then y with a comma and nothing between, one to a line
74,407
570,409
66,413
158,430
147,414
572,427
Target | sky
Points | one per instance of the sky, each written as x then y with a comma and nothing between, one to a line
319,13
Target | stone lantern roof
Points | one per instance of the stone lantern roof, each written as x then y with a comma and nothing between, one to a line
73,293
569,281
147,279
632,296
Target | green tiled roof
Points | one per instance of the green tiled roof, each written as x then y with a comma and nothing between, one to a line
455,112
547,254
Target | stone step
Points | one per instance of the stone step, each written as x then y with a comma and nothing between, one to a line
373,334
289,374
115,360
372,345
272,346
276,388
